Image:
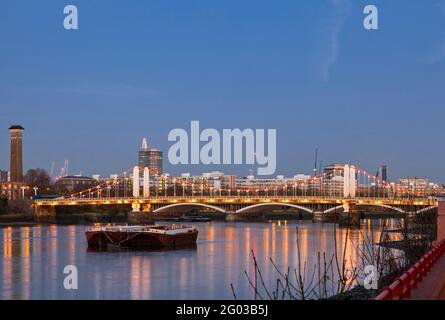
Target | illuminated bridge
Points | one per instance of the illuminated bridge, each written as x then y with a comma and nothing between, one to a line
145,195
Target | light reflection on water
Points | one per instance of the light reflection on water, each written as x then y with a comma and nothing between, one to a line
32,260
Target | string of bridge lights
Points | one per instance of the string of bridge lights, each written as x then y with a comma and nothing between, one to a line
201,185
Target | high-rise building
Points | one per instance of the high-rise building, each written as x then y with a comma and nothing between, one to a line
384,172
3,176
16,172
151,158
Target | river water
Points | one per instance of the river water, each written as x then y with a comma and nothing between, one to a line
33,258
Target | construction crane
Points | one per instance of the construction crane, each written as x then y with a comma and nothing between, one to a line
51,173
320,169
64,170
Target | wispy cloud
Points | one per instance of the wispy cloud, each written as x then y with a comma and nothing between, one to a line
341,12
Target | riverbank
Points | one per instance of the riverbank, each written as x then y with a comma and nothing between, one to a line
16,218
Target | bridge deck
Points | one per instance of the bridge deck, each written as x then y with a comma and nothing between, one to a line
241,199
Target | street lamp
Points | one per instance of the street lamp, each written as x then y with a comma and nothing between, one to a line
125,184
23,192
202,187
35,191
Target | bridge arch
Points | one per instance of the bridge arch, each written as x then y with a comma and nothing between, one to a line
427,209
334,209
273,204
187,204
382,206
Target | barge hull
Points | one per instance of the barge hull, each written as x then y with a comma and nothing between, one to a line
140,239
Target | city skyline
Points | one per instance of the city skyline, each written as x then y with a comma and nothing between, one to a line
196,152
84,97
155,164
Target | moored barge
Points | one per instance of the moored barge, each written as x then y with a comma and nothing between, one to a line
141,236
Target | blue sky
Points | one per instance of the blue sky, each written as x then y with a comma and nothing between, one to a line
307,68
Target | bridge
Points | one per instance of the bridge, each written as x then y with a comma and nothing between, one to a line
322,196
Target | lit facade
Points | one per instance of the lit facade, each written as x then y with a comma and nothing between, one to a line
151,158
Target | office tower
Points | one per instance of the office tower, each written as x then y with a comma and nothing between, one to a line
150,158
384,173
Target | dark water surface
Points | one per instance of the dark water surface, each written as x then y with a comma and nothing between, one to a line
32,260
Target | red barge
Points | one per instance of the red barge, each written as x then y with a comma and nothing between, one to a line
142,236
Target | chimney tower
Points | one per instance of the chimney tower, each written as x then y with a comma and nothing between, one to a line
16,165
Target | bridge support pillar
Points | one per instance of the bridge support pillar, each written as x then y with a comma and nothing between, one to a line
146,207
45,213
141,218
350,216
441,221
136,206
231,216
136,183
146,183
319,216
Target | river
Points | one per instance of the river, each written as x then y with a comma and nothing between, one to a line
33,258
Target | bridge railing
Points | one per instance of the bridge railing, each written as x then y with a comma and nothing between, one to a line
402,286
424,201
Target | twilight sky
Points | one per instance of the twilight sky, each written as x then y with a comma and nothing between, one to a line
307,68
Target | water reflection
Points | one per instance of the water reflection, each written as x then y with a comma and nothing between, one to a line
33,259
